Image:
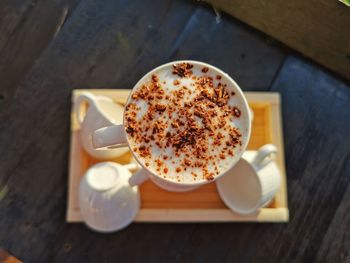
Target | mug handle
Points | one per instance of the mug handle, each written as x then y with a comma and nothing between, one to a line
138,178
132,167
110,137
85,97
264,156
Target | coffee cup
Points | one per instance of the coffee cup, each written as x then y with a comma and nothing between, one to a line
252,183
214,93
107,202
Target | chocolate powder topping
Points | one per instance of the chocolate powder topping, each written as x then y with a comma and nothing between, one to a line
183,69
197,123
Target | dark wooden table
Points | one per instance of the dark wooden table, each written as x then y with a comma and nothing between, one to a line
48,48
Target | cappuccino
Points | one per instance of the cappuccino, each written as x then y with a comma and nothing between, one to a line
185,123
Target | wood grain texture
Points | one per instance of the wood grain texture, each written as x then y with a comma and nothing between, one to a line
231,47
90,51
27,28
98,46
318,29
317,150
336,243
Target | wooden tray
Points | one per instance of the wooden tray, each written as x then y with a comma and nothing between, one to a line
200,205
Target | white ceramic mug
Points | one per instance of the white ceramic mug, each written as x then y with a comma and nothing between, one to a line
252,183
106,200
115,135
101,112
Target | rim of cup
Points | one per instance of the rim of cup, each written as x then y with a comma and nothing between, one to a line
237,90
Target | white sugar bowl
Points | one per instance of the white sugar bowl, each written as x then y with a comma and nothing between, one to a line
107,202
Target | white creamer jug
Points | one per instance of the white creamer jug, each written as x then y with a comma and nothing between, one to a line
101,112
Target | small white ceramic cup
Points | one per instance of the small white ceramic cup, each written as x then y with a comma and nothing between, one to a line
252,183
115,135
101,112
107,202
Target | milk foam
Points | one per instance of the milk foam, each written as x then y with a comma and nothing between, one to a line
166,76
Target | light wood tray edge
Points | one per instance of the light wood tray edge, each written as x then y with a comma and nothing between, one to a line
267,215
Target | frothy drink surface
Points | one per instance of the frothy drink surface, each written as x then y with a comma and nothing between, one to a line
186,123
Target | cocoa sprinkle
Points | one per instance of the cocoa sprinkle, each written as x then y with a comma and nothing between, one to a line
193,123
155,78
187,162
160,107
144,151
236,112
182,69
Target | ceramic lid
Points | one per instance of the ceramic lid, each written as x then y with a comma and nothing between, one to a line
227,184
